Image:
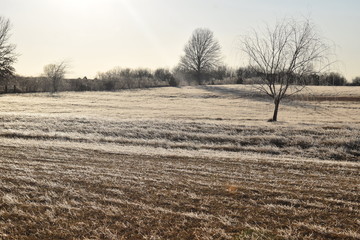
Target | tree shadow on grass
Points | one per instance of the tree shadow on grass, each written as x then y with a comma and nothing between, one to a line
252,93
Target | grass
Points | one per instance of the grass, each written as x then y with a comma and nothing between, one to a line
180,163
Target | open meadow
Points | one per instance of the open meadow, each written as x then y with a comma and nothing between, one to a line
180,163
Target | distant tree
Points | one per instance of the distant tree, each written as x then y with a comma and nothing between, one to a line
282,56
55,73
202,53
246,73
142,73
7,51
333,79
356,81
240,72
161,74
126,75
110,85
312,79
220,72
110,79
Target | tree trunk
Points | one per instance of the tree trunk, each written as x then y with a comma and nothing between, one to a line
198,78
276,109
55,85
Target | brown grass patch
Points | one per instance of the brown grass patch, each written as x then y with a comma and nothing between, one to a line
70,194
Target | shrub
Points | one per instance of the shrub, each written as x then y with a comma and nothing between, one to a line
164,75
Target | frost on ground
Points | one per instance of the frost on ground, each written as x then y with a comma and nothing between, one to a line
180,163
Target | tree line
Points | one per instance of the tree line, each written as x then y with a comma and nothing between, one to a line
126,78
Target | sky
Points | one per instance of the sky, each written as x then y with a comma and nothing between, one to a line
97,35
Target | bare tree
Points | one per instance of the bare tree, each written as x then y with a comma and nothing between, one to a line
284,56
55,73
202,53
7,51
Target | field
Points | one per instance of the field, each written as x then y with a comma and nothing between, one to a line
180,163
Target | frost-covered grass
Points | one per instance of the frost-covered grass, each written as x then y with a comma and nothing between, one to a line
180,163
224,120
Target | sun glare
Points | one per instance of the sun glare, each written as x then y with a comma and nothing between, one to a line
140,22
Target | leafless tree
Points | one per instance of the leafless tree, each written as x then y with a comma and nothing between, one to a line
202,53
7,50
55,73
283,56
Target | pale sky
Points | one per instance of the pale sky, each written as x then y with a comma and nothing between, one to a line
98,35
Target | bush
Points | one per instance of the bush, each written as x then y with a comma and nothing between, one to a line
164,75
173,82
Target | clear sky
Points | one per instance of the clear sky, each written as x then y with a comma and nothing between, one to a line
98,35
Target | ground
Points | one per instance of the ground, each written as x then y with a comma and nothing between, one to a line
180,163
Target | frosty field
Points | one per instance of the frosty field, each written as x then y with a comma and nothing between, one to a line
180,163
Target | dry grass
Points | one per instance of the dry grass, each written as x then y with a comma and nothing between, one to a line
179,163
